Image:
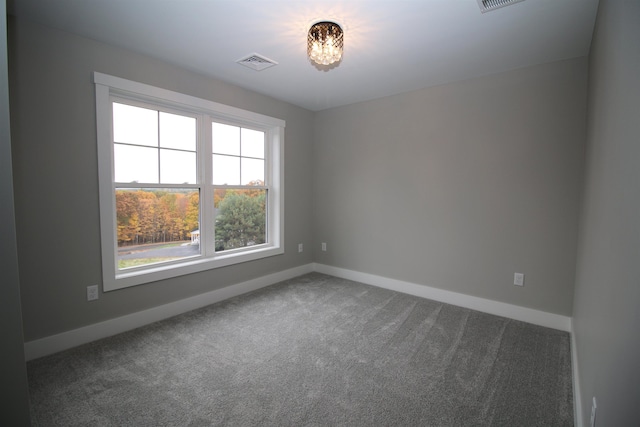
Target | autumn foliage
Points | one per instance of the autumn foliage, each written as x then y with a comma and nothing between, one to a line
153,216
147,216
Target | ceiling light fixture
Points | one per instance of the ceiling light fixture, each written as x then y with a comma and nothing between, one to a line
325,43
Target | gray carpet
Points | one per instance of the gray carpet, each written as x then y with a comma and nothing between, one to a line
313,351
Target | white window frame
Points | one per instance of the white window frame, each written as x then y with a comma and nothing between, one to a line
108,89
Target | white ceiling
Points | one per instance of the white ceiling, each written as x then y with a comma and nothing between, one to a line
391,46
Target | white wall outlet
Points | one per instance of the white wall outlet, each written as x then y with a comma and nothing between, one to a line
518,279
593,412
300,247
324,246
92,293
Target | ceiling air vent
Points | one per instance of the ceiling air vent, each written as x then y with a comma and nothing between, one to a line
489,5
257,62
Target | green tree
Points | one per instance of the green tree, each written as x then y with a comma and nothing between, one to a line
241,219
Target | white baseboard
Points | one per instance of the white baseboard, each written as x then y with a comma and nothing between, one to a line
65,340
511,311
577,395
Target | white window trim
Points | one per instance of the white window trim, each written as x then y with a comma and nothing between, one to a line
108,86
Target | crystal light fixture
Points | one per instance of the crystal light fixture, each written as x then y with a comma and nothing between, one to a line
325,43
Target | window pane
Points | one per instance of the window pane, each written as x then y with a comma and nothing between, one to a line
225,139
177,167
226,170
240,218
252,143
135,125
156,225
177,132
135,164
252,172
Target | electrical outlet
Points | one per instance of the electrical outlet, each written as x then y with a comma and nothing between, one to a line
518,279
92,293
593,412
324,246
300,247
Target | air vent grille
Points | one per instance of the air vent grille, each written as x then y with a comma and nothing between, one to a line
257,62
489,5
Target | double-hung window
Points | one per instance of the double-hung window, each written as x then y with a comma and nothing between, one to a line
185,184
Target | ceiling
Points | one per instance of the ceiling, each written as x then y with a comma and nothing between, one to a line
391,46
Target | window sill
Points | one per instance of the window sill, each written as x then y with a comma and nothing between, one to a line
169,270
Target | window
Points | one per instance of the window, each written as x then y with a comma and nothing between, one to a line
185,184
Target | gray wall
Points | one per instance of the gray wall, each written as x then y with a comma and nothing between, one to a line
459,186
13,390
56,184
607,297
